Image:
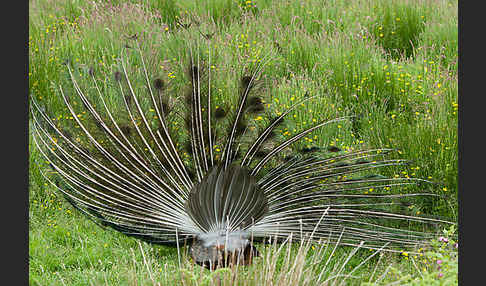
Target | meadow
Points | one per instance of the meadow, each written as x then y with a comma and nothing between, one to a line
392,65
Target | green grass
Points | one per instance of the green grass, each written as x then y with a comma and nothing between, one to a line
393,64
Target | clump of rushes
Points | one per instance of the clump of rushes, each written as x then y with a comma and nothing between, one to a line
398,27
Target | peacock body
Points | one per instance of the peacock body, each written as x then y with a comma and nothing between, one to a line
151,171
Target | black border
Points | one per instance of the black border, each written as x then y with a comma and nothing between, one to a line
15,142
468,117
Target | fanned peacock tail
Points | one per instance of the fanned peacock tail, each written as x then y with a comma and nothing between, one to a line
142,160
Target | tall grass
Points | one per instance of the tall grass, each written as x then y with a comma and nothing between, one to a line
72,251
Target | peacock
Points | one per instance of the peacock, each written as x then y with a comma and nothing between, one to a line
174,167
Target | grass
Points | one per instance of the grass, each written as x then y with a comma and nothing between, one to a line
393,64
66,249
